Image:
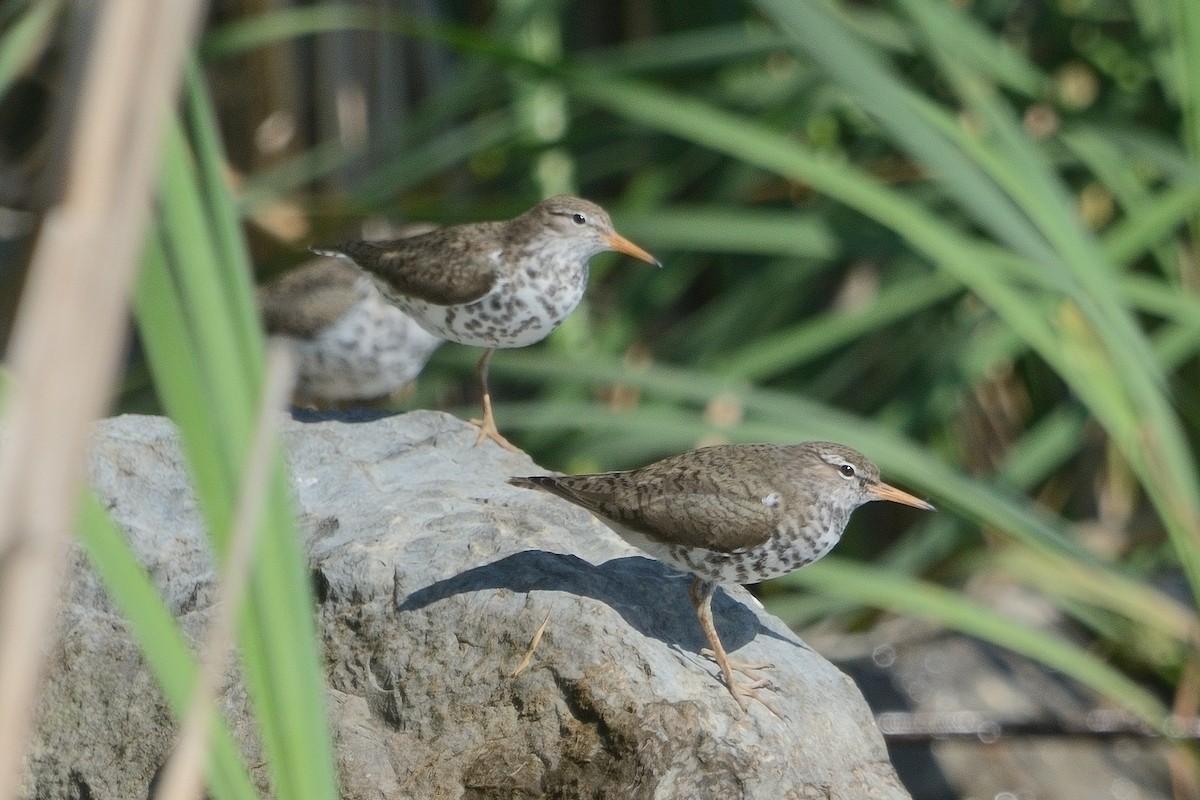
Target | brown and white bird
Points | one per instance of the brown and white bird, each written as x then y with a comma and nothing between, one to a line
739,513
493,284
350,344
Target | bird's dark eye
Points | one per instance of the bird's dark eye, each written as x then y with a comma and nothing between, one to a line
847,470
579,219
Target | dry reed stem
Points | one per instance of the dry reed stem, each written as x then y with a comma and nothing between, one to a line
183,777
533,646
68,333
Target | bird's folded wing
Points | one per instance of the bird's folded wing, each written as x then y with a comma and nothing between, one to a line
435,268
689,511
307,299
727,522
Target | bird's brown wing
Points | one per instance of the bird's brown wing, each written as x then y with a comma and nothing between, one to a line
306,299
685,509
439,267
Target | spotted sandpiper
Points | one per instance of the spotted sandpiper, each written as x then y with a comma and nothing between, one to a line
350,344
732,514
493,284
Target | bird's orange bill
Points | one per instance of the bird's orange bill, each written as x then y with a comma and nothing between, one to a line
622,245
885,492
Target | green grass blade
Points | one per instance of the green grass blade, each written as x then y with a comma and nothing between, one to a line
1186,77
25,38
1064,579
188,319
1151,223
229,246
885,590
285,25
819,335
709,229
163,646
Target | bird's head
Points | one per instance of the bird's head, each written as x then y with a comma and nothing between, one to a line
577,220
851,479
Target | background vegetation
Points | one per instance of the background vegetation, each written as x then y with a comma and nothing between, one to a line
959,239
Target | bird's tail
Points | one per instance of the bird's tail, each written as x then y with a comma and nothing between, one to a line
533,482
331,252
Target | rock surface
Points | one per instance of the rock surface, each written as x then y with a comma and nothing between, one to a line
432,577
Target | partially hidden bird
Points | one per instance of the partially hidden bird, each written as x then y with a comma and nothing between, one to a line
351,346
493,284
740,513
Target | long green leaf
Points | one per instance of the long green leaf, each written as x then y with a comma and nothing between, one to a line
189,320
163,645
881,589
714,228
21,43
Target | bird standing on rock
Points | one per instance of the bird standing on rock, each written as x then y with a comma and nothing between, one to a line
493,284
732,514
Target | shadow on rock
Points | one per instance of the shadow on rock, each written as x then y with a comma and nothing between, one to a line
652,598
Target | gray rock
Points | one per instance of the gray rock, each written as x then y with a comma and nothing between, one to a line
432,577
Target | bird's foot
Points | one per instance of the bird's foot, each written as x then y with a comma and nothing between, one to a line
487,425
744,692
751,671
488,430
701,593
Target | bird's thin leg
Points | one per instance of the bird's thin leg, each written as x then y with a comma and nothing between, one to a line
701,592
487,425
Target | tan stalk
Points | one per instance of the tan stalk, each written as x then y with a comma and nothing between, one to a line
68,334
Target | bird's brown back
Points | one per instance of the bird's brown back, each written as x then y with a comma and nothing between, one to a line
309,298
723,498
449,266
